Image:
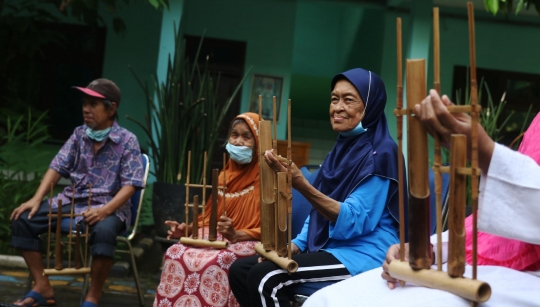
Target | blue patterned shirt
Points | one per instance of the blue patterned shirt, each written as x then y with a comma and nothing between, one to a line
116,164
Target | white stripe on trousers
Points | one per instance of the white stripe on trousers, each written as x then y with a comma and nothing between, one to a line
302,280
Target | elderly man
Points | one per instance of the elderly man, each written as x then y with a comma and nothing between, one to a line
103,161
508,207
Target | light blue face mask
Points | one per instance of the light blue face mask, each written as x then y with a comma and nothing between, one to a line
356,131
240,154
98,135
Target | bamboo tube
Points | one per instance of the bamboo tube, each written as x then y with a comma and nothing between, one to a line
461,170
204,243
419,245
275,181
212,225
77,264
289,182
71,224
437,156
458,183
49,272
266,176
224,188
187,193
287,264
399,119
260,108
474,135
193,185
195,227
87,237
58,255
204,194
281,213
451,109
469,289
49,232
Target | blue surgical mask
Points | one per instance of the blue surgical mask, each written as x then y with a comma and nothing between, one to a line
356,131
98,135
240,154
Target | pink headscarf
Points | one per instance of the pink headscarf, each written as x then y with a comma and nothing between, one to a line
494,250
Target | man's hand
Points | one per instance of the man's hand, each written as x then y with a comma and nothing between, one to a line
94,215
32,205
176,230
391,255
294,249
226,229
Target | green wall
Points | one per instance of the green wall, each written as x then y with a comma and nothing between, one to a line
266,26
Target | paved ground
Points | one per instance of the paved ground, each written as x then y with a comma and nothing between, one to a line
120,289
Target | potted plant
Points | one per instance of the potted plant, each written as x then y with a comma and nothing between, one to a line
184,116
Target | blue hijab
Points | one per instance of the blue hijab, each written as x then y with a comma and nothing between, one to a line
356,158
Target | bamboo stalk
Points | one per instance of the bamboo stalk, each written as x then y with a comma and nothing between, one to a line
287,264
289,181
224,188
470,289
266,175
451,109
71,224
193,185
276,182
87,226
49,232
281,215
77,264
58,254
212,225
187,193
49,272
419,245
399,119
204,195
204,243
195,227
474,134
260,108
456,215
437,156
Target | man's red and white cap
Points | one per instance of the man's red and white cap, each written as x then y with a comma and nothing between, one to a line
102,88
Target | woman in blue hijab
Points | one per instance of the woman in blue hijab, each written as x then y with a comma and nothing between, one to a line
354,197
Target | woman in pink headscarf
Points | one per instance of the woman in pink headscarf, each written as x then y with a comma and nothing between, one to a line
495,250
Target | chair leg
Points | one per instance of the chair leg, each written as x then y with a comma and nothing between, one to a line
135,273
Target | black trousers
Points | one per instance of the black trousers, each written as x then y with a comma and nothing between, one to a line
266,284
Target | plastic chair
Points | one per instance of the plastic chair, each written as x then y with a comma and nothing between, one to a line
126,237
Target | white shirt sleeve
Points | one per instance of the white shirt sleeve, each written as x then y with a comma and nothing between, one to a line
509,203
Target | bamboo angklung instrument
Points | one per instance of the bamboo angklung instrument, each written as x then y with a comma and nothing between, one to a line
399,119
195,227
279,190
437,162
419,246
212,233
266,176
58,267
453,280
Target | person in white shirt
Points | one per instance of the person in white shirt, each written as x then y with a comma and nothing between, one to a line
508,207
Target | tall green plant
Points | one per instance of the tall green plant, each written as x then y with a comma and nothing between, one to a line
184,116
18,183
